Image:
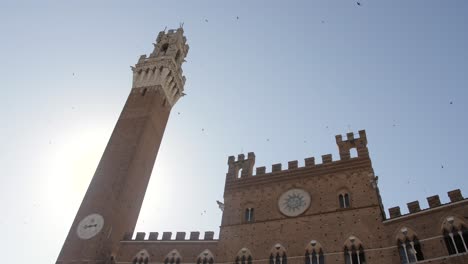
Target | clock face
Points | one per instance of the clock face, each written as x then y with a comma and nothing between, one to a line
90,226
294,202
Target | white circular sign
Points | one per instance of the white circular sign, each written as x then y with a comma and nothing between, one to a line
294,202
90,226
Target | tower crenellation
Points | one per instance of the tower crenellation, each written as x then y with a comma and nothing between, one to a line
163,68
242,168
360,144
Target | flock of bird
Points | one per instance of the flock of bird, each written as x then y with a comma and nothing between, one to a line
221,205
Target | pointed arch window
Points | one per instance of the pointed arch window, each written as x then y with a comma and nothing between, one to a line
249,214
343,199
244,256
314,253
173,257
140,260
141,257
409,247
455,235
206,257
355,255
354,251
456,240
410,251
314,257
278,255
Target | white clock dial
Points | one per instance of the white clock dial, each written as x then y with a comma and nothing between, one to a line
294,202
90,226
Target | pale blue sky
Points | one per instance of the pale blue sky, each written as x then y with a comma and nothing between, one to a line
277,73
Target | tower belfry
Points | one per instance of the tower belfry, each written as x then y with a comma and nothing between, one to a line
114,197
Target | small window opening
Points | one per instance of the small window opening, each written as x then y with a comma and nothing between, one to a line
353,153
341,200
249,215
239,173
177,56
164,48
344,200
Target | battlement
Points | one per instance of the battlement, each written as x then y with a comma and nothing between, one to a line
163,67
242,168
167,236
433,202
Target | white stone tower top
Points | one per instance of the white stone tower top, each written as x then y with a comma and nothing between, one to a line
163,69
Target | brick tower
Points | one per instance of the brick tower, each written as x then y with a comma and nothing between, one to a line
113,200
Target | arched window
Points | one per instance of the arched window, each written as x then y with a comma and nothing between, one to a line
455,235
244,256
346,200
343,199
456,240
249,215
408,246
354,251
410,251
173,257
314,253
164,48
355,255
206,257
239,173
278,255
142,257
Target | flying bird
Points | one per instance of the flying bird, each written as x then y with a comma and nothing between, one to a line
237,18
206,20
358,3
451,102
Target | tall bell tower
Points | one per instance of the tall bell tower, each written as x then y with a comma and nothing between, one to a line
114,197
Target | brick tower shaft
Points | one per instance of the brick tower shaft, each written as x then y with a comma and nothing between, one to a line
114,197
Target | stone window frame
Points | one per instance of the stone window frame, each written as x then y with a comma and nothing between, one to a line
455,235
249,216
248,205
206,257
142,257
278,255
173,257
344,198
314,253
354,252
408,245
244,256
